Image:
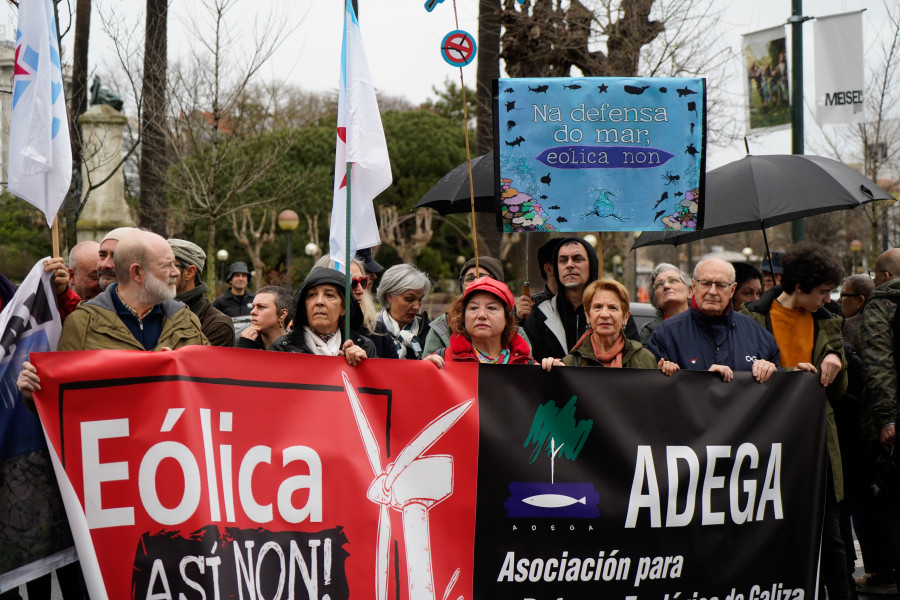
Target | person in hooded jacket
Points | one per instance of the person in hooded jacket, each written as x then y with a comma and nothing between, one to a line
556,325
319,315
484,327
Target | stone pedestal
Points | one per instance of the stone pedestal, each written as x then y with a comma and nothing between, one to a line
102,127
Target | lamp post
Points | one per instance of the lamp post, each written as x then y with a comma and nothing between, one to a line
855,250
312,250
747,252
222,256
617,266
288,221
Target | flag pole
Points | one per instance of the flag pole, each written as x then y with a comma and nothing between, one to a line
462,87
54,236
348,169
347,262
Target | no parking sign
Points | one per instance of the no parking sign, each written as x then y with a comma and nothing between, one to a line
458,48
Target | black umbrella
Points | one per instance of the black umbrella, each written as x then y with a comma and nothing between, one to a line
757,192
451,194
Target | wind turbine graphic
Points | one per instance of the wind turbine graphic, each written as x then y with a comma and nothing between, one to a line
412,484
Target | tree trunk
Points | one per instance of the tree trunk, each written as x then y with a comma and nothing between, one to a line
211,258
152,207
78,106
488,69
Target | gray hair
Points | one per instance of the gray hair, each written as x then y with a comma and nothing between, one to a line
861,284
399,279
81,248
733,275
662,268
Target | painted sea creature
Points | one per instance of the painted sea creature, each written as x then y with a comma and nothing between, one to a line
603,207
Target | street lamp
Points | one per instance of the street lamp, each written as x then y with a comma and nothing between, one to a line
617,266
222,256
311,249
288,221
855,249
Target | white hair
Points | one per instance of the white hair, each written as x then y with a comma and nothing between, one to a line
399,279
730,266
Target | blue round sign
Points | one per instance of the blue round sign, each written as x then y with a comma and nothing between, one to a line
458,48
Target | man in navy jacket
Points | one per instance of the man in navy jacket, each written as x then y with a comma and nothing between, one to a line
710,335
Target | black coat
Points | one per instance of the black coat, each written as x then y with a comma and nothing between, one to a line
294,340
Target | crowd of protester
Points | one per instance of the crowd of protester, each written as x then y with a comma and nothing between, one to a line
136,290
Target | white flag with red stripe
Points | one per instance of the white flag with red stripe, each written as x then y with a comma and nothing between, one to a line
360,141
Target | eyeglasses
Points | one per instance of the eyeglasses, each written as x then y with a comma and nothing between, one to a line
181,266
363,282
471,277
843,295
706,285
670,281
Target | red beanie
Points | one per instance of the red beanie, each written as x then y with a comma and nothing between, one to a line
491,286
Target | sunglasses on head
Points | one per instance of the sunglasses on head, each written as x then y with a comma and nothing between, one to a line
362,282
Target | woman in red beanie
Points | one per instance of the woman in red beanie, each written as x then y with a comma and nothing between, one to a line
484,327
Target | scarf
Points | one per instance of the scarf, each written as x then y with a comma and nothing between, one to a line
503,359
318,346
612,357
405,339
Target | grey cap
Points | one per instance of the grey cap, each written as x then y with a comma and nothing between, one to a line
188,252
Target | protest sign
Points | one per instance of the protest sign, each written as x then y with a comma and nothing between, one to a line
599,154
337,481
34,535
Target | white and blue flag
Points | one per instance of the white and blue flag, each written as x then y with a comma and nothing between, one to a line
40,154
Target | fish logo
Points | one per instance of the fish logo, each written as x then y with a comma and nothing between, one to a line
553,500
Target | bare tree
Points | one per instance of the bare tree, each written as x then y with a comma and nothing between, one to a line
220,143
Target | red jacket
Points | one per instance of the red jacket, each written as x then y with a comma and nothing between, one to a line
461,349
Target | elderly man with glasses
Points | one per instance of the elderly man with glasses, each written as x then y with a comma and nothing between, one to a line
710,335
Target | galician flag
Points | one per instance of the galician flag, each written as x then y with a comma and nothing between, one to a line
40,157
360,141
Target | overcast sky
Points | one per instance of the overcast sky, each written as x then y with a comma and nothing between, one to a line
403,43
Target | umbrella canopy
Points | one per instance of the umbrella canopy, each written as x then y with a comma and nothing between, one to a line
757,192
451,194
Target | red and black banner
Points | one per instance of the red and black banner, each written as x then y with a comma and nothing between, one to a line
224,473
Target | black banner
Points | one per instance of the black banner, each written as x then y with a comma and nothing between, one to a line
618,483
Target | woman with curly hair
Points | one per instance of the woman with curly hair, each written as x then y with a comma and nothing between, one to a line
484,327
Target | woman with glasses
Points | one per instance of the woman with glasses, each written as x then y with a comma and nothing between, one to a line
361,289
670,295
402,289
